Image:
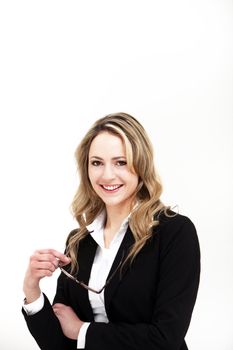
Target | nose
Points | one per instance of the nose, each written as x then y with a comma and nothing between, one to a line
108,172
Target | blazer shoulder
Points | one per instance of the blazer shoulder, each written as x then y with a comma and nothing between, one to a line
170,218
175,227
86,240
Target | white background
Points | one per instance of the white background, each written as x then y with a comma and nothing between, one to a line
66,63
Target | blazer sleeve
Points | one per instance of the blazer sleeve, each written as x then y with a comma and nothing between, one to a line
179,272
45,327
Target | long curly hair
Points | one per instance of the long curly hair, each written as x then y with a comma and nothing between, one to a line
86,205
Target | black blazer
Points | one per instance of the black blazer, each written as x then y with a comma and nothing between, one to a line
149,306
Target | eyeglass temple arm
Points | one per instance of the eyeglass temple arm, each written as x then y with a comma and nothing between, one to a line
79,282
87,287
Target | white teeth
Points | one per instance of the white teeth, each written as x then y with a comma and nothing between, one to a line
111,188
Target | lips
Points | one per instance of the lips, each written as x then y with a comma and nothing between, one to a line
111,188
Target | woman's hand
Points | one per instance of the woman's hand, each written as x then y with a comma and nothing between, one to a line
69,321
41,264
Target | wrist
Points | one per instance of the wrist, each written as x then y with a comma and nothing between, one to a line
31,294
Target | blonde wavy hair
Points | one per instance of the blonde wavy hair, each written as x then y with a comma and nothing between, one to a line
87,205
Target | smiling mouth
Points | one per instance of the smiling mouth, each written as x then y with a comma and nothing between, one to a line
112,188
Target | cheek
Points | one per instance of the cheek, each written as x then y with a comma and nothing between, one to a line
92,183
90,176
93,175
135,182
133,178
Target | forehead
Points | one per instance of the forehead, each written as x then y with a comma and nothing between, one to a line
107,144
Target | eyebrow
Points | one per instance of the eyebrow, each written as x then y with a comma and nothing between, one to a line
114,158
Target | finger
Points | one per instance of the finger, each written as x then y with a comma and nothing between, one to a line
43,265
42,255
64,263
56,312
59,306
37,259
42,273
61,257
58,309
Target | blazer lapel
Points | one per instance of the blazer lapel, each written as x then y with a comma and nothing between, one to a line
86,256
126,243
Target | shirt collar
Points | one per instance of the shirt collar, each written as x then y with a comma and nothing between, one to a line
97,226
98,222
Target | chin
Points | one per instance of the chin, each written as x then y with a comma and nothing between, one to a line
112,203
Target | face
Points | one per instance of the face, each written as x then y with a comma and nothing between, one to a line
108,172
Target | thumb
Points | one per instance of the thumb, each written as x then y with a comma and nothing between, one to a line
65,260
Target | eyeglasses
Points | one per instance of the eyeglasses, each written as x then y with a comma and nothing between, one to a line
82,284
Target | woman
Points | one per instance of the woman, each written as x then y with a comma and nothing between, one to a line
130,272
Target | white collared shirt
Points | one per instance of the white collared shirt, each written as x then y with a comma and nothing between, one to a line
102,264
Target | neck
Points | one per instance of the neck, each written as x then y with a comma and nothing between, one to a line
115,216
114,219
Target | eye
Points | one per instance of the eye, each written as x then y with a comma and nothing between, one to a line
121,162
96,163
